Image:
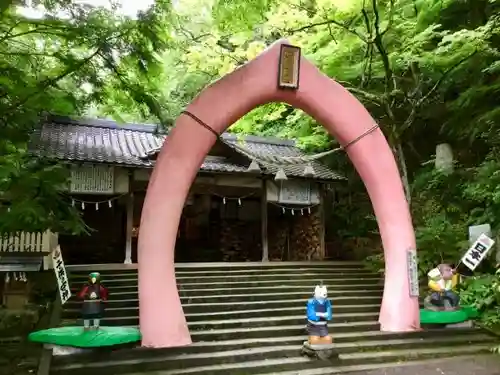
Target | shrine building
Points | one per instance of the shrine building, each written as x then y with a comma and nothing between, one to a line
238,209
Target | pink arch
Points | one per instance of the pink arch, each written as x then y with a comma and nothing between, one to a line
162,319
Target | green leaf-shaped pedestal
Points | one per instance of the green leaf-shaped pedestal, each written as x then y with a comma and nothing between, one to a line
77,337
447,317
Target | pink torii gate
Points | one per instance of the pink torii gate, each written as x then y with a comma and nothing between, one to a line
162,320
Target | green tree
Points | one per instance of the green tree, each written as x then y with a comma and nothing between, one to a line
69,57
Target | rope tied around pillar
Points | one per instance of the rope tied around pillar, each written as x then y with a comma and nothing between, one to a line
280,161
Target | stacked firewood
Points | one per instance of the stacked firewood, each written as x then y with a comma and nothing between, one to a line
295,238
240,241
305,238
277,239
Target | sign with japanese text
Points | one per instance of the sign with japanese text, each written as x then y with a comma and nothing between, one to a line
61,276
289,67
92,179
295,192
474,256
412,264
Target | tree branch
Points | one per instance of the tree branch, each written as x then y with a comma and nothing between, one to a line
411,117
45,84
328,22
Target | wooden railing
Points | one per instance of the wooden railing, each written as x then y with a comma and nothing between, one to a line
28,242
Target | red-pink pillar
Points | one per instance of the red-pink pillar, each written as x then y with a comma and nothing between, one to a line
161,317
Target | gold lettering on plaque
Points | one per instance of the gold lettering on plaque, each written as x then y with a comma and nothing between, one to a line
289,67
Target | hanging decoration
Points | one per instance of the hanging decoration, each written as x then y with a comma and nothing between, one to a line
85,204
16,276
301,210
234,199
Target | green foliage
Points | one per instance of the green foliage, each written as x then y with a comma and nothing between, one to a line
483,292
427,70
63,61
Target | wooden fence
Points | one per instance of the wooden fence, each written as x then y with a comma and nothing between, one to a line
26,242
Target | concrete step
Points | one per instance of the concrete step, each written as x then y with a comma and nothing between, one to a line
211,266
237,365
303,279
196,305
231,296
233,314
275,321
345,342
238,273
192,307
409,366
307,289
263,331
349,355
335,296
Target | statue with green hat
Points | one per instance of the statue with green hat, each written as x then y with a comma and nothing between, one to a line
94,295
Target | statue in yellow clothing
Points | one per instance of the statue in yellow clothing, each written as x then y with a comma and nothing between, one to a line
442,281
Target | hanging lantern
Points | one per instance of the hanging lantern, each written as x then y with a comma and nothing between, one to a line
97,206
283,209
280,175
239,201
302,212
110,204
254,167
83,205
224,200
309,171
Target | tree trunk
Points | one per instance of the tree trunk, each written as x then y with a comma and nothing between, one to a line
400,157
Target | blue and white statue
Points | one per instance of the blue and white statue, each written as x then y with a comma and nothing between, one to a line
319,312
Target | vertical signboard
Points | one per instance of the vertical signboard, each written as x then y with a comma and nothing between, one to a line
479,249
61,276
412,267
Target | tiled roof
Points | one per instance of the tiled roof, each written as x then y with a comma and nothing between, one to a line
102,141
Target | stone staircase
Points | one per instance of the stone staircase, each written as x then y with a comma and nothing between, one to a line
249,318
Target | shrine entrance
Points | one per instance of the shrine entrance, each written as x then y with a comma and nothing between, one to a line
279,74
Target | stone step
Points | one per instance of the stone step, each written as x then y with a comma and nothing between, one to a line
349,355
223,306
236,314
238,273
275,321
307,289
335,296
267,331
224,303
407,366
191,305
296,365
310,278
345,342
211,266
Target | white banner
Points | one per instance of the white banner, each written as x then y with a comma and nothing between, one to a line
474,256
61,276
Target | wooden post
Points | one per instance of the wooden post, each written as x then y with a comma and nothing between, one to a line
322,222
263,215
129,227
